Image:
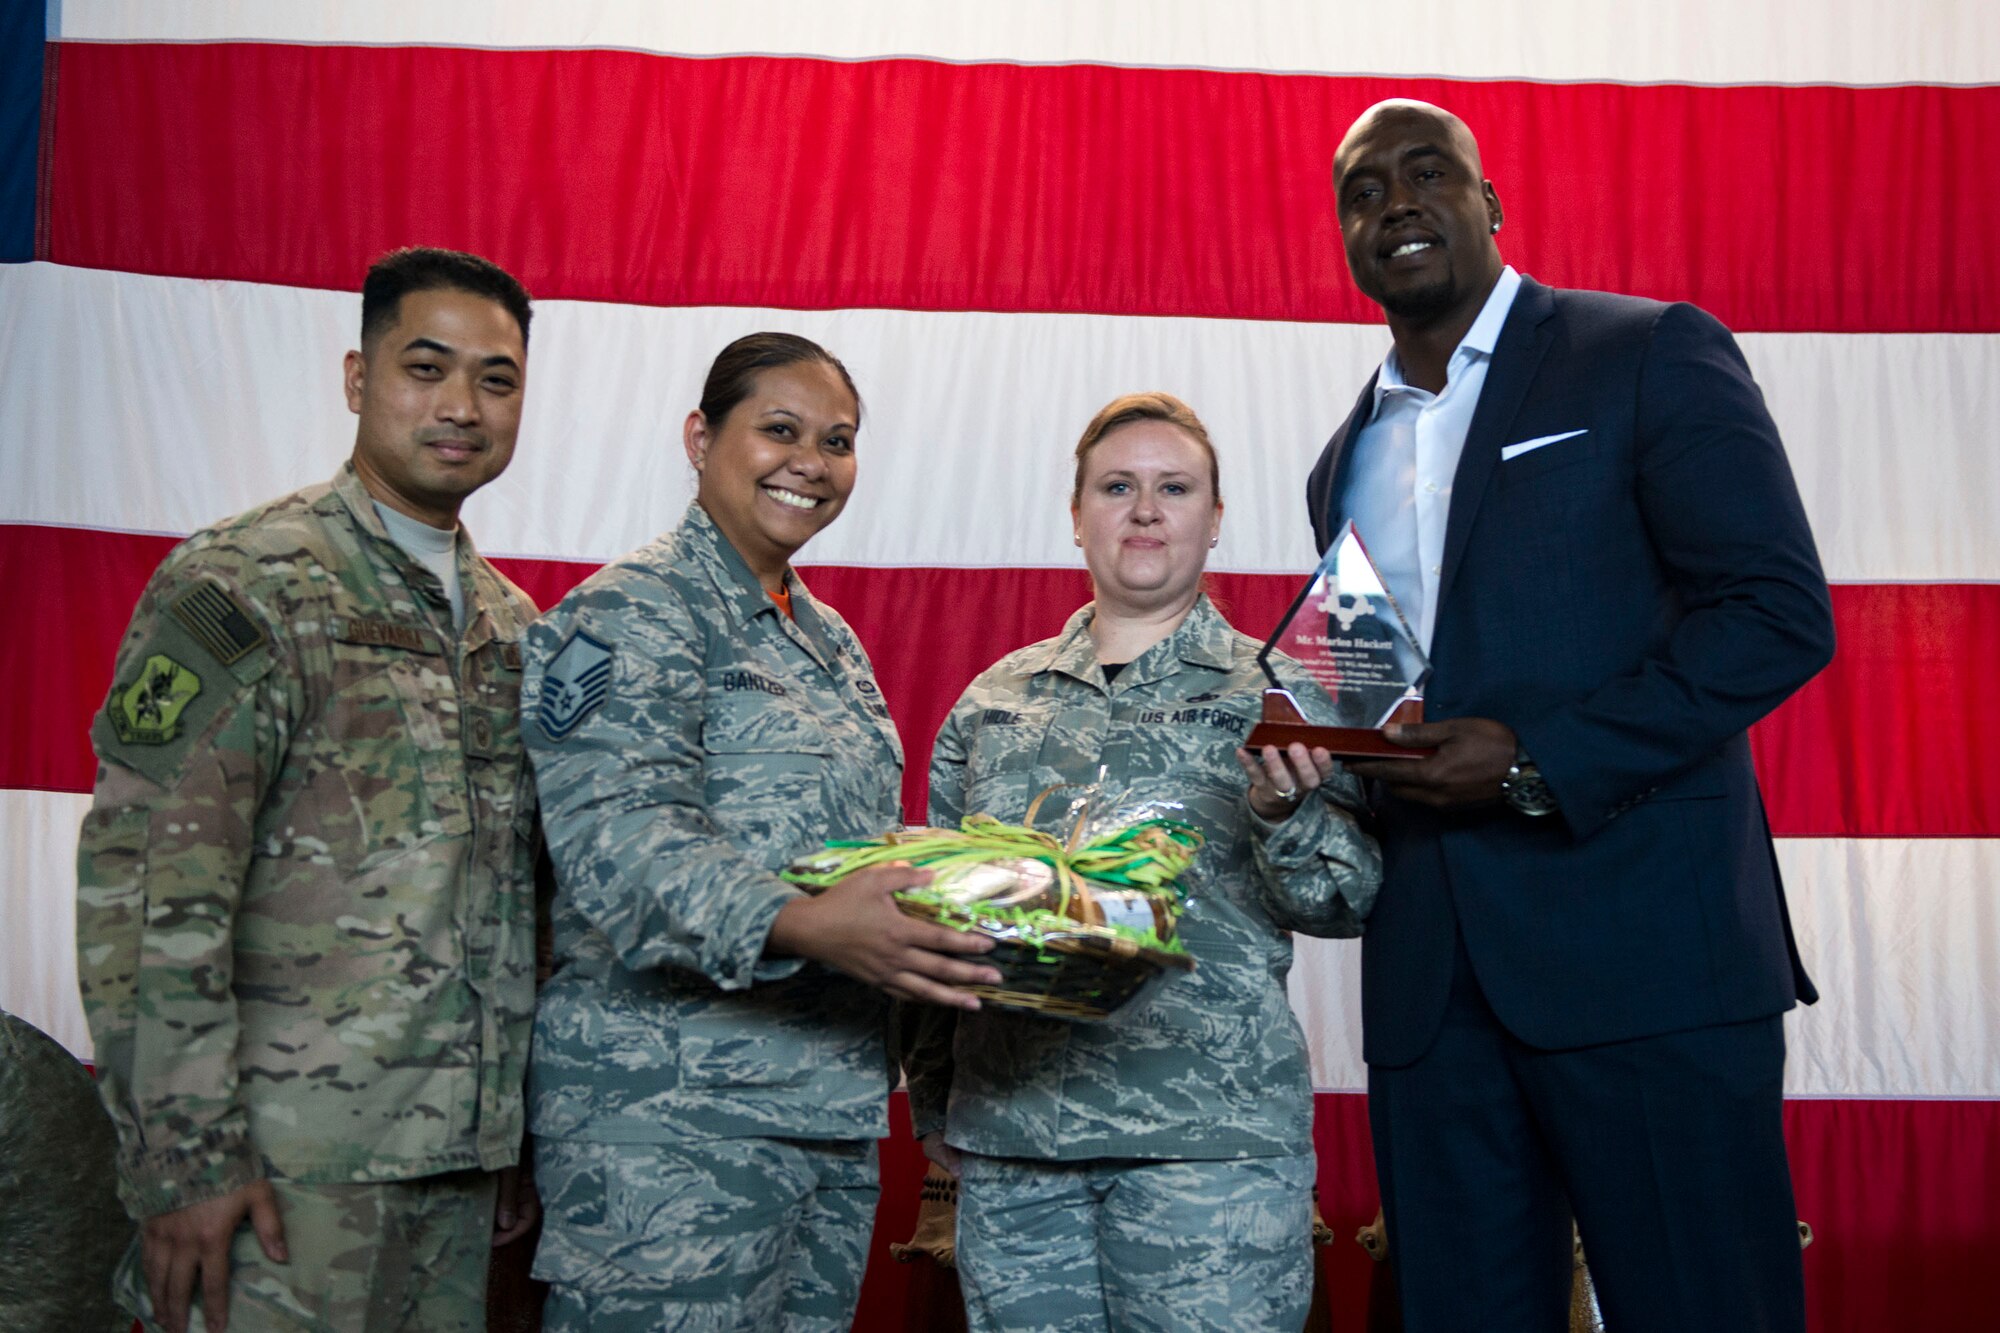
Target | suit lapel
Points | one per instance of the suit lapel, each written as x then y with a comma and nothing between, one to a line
1524,340
1328,482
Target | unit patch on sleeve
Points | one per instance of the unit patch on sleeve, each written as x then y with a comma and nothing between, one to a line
148,711
578,678
218,623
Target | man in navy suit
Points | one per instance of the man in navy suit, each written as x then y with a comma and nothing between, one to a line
1573,981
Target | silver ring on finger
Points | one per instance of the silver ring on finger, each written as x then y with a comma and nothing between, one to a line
1288,795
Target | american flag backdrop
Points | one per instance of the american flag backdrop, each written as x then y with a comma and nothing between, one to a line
1000,217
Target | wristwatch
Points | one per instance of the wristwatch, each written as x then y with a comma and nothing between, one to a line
1524,788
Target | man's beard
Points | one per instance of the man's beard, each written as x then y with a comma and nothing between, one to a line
1419,304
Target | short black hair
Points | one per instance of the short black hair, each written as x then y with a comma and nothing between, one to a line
422,268
737,366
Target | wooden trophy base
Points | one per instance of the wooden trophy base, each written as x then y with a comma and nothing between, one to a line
1283,724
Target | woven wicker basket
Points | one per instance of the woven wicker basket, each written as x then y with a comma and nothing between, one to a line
1084,974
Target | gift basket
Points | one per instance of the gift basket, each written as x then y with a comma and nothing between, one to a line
1082,925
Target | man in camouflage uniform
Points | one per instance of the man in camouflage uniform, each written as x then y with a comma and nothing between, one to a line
1153,1171
306,909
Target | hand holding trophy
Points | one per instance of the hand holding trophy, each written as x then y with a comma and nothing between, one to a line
1347,633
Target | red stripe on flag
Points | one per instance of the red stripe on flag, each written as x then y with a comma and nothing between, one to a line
1895,739
1901,1197
1904,1201
1900,735
812,184
65,597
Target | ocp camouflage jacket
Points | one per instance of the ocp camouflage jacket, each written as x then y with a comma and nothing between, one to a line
305,914
690,740
1212,1065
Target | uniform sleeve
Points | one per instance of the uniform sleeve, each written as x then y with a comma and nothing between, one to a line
188,742
928,1031
1318,871
1719,502
612,708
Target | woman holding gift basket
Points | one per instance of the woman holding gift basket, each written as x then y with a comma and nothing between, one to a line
1155,1170
709,1074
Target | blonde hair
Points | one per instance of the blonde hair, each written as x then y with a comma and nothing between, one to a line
1154,406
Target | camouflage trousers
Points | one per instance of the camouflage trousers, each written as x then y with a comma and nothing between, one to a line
704,1235
1124,1244
403,1257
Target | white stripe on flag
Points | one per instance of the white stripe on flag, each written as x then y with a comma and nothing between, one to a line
202,398
1692,41
38,958
1899,934
1902,937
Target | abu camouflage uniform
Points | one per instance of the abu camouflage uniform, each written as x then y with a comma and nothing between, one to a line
689,740
305,915
1212,1065
1201,1093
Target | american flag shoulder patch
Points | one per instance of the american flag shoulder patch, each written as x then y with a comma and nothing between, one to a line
217,623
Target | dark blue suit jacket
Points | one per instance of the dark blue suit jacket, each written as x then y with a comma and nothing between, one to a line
1629,601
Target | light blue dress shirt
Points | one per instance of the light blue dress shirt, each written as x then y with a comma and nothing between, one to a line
1399,484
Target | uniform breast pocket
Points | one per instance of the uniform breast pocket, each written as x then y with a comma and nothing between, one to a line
390,737
1538,459
1013,754
760,749
1180,758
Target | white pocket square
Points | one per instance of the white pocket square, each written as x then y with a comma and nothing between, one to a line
1529,446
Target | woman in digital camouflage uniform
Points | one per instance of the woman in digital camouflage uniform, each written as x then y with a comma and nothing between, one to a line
709,1074
1153,1171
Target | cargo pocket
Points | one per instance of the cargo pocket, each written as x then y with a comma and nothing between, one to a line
1272,1213
646,1221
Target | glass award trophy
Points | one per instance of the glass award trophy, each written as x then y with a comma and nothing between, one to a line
1346,632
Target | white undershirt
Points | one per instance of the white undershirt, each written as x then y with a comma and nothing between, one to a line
436,549
1399,485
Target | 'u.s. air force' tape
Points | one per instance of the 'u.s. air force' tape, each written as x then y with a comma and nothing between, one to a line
576,682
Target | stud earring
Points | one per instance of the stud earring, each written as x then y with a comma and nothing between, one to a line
1495,228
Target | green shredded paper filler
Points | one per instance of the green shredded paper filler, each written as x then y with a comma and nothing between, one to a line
1147,855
